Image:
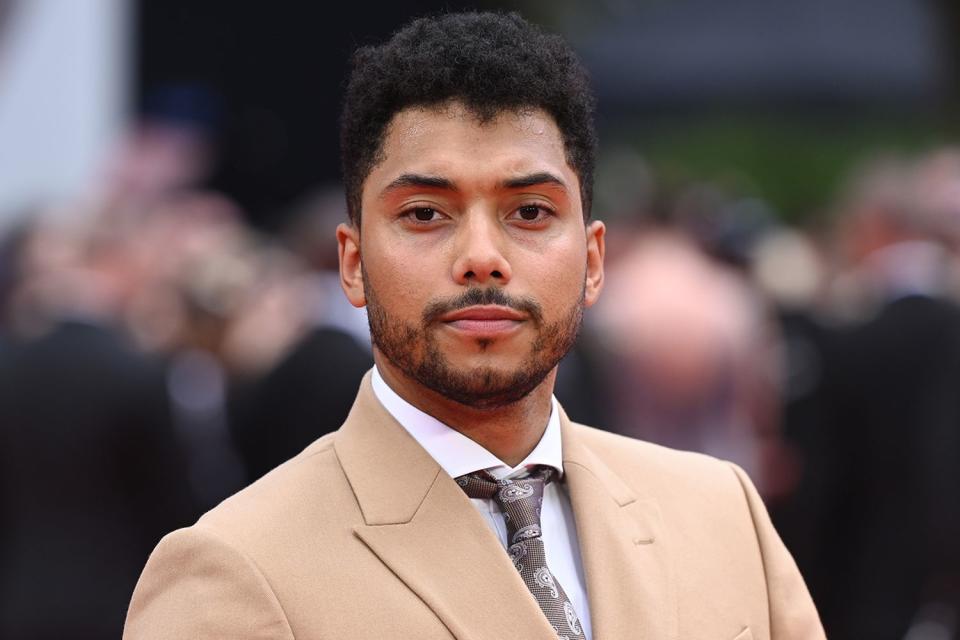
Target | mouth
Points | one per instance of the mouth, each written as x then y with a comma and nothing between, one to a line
484,321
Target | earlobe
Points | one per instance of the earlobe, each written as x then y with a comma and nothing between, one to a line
351,266
596,231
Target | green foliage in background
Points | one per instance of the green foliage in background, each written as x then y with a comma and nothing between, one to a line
794,164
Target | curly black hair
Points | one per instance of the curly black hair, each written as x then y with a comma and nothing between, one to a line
489,62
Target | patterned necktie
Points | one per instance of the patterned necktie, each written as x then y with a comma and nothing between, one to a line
521,500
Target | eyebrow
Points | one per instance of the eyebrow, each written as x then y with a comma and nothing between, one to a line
532,180
408,180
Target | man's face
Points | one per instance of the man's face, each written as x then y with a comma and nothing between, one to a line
472,256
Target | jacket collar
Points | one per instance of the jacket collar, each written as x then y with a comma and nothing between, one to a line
420,524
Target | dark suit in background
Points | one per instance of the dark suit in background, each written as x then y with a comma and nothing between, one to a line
884,464
90,478
307,394
582,385
801,516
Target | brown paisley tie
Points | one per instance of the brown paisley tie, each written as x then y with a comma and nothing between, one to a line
521,500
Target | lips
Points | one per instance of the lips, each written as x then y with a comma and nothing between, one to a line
484,320
489,313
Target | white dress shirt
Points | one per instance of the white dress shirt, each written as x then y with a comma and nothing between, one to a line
459,455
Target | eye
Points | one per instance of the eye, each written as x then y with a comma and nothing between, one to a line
422,215
532,213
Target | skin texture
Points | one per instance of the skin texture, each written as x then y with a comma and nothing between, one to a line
444,230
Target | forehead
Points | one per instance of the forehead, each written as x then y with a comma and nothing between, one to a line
452,140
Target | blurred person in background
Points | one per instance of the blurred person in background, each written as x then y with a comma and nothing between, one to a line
887,513
309,387
688,346
91,472
102,435
789,271
203,269
130,326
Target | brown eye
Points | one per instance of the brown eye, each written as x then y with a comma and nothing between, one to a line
423,214
529,212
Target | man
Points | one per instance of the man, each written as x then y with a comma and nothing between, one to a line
457,500
91,469
884,435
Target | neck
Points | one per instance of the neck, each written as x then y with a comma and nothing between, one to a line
510,432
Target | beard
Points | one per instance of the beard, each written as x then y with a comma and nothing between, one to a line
415,350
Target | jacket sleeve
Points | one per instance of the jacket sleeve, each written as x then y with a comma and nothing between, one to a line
793,615
196,585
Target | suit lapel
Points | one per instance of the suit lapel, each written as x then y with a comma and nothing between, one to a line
630,585
421,525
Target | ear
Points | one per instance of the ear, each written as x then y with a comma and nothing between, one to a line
596,248
351,266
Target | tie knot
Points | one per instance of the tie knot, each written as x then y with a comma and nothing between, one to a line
520,499
481,485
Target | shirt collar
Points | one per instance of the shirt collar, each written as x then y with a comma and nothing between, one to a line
459,455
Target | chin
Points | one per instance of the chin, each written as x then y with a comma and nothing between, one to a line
487,364
483,386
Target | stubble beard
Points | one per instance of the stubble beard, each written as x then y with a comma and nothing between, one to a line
416,351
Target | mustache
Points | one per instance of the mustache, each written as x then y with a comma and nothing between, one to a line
477,296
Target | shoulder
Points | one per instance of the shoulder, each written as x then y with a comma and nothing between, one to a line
309,484
694,493
712,517
231,570
195,584
660,469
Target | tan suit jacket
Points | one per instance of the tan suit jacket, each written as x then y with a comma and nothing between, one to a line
364,536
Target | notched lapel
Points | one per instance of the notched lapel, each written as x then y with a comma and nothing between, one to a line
630,585
450,558
422,526
388,471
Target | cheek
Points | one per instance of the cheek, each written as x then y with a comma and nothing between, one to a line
400,281
559,274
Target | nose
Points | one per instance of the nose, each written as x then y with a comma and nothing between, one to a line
480,257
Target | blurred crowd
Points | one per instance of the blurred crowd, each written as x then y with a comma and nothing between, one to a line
158,354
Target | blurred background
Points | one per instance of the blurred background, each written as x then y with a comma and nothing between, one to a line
781,183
